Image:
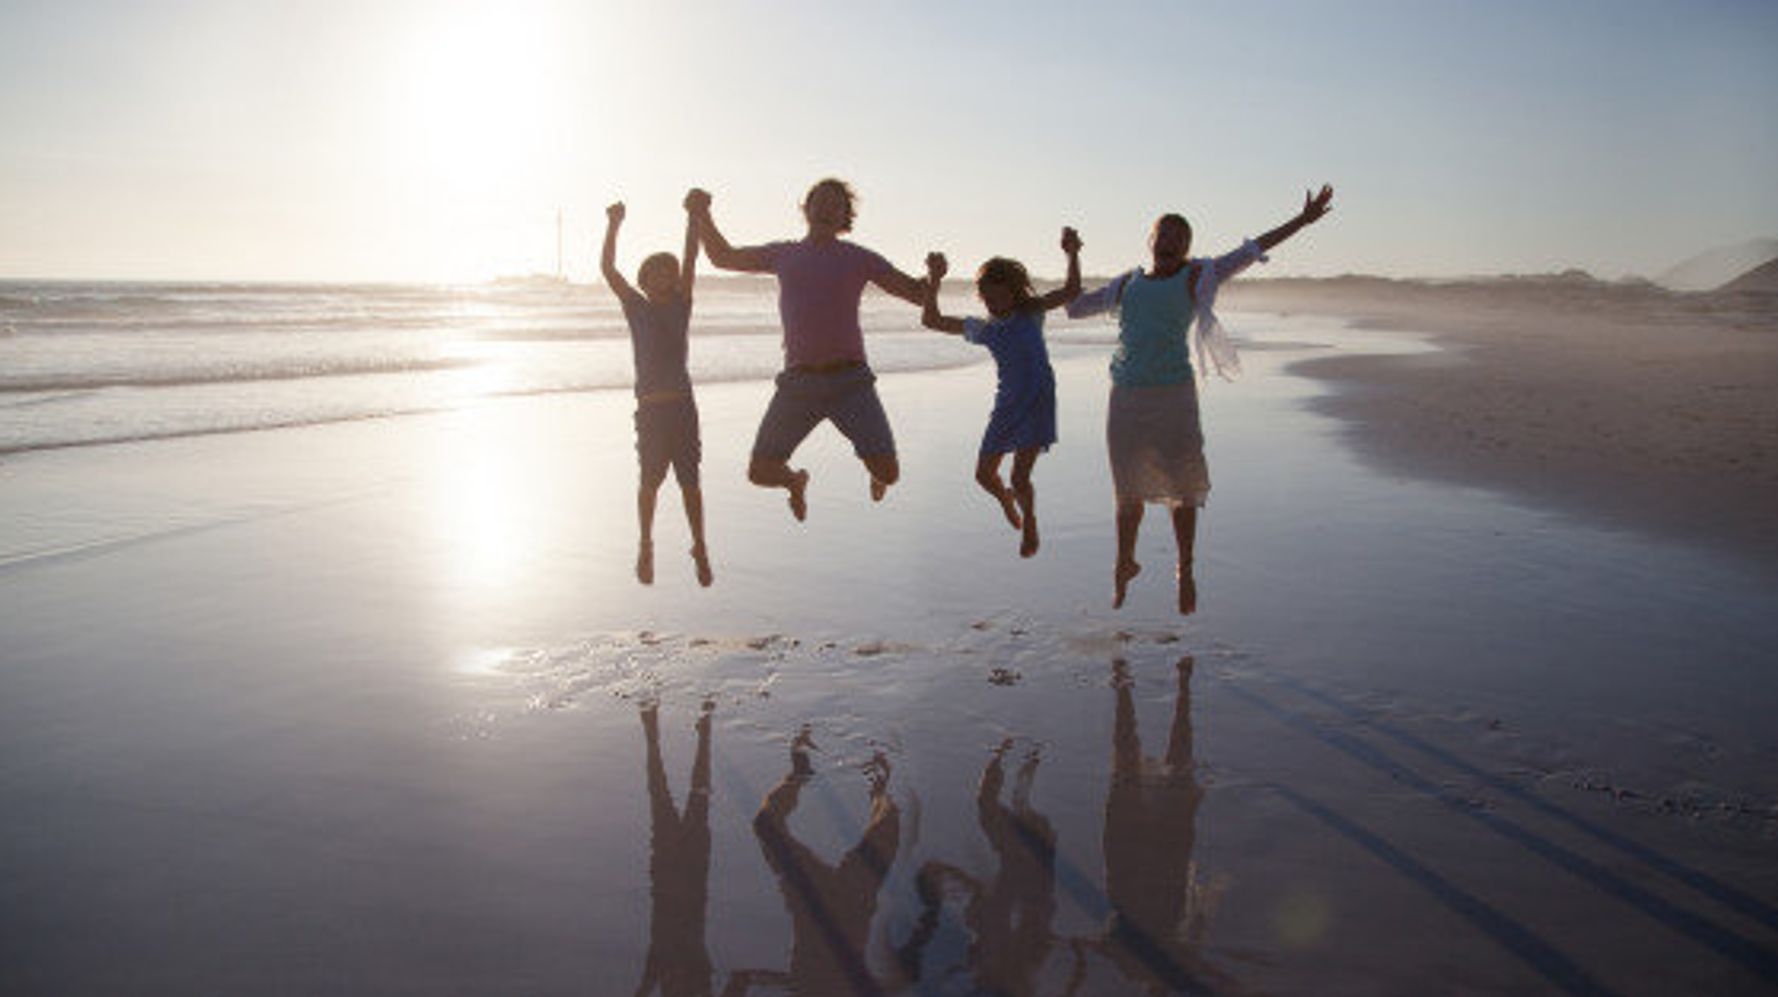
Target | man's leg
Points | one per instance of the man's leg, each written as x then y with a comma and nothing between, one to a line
1129,523
858,414
885,470
789,419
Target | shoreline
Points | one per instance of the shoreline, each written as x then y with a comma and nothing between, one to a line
1646,410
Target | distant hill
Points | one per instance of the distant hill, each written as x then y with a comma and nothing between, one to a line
1762,279
1710,270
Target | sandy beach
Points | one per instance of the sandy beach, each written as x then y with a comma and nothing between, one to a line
378,707
1653,410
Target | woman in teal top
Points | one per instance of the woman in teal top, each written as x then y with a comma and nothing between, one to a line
1152,429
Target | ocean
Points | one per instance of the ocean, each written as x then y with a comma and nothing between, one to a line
88,363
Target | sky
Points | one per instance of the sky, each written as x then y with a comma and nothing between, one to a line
436,140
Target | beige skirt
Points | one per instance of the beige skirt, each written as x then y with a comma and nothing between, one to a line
1157,445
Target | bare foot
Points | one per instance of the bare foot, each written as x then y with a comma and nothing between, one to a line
799,505
1120,579
1188,590
1010,506
877,490
701,558
645,562
1028,545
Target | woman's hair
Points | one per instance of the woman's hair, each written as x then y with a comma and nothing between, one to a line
1011,273
1176,218
844,189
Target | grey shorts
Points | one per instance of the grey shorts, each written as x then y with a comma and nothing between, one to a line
667,436
847,398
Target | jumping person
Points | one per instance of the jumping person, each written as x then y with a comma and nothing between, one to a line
1024,419
1152,428
666,413
821,278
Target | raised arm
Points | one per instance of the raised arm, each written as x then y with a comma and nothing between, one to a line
748,259
929,314
1315,205
1070,288
688,263
614,219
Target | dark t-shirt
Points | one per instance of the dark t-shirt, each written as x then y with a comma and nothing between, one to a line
658,343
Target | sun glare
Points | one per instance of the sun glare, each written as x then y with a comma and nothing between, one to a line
477,95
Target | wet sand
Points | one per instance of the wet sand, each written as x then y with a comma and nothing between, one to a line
1655,410
379,708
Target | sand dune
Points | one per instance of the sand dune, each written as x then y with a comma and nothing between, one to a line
1654,409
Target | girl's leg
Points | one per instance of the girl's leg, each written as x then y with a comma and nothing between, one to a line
987,474
1129,522
693,497
1022,462
1185,534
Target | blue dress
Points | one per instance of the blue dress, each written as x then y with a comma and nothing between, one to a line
1025,402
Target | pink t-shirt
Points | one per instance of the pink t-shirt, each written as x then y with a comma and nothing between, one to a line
819,286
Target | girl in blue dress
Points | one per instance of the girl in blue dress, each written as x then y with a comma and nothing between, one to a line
1024,419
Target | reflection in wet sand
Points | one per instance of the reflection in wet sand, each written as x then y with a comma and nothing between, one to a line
1158,909
831,906
1011,918
678,869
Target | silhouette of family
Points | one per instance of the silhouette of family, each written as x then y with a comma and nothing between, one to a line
1153,434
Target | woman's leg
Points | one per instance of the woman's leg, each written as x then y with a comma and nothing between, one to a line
987,474
1185,534
1129,522
1022,463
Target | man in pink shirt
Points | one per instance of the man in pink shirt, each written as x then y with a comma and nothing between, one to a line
820,281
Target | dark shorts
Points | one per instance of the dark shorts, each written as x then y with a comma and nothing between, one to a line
847,398
667,434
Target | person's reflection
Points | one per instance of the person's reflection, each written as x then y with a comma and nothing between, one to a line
831,906
1150,830
1011,918
678,869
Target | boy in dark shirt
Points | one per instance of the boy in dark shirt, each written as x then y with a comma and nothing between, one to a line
666,413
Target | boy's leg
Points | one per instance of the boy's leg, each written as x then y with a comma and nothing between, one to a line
654,452
1185,534
685,471
987,474
693,497
792,415
645,497
1129,523
857,412
645,500
1022,462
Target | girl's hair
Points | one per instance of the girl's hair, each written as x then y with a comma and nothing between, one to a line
1010,272
844,189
